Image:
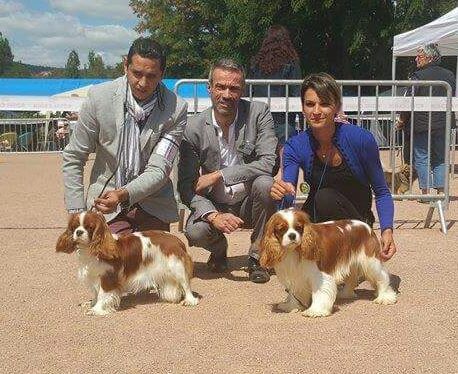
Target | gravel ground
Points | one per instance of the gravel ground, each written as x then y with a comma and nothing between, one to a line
234,329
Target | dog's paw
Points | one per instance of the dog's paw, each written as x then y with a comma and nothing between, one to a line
190,301
97,312
315,312
87,304
386,298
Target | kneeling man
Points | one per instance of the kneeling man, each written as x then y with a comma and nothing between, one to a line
225,171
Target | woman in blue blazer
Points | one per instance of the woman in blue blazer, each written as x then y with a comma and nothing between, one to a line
340,162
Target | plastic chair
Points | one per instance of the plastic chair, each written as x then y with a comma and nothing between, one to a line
8,141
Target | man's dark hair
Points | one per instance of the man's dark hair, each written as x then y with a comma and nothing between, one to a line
147,48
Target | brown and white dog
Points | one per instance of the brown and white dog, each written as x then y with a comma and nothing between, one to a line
112,266
310,260
401,179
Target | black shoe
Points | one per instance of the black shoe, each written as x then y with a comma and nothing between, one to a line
257,274
217,263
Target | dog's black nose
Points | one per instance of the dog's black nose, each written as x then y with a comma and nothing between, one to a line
79,232
292,236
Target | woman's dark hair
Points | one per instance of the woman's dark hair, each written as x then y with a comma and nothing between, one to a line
276,51
147,48
325,87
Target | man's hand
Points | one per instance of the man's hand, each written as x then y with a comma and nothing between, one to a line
388,246
280,188
225,222
207,180
108,202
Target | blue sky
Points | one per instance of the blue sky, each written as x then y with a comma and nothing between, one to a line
43,32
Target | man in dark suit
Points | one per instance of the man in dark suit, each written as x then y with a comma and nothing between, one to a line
225,171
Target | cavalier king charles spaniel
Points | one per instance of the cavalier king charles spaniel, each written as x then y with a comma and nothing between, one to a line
112,266
310,260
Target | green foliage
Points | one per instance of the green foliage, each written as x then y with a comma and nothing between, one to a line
17,70
6,56
411,14
72,65
96,67
350,39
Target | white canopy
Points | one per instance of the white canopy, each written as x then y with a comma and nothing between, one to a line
443,31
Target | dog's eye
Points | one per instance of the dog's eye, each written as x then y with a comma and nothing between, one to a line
298,228
280,230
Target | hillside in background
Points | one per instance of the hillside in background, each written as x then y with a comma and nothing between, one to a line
21,70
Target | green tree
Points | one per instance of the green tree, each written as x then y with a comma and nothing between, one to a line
72,65
17,70
96,67
115,71
351,39
6,56
410,14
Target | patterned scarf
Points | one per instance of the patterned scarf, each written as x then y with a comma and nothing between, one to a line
131,161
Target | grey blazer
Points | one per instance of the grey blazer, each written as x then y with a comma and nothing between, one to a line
200,152
98,130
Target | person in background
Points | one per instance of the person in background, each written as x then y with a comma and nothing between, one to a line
277,59
134,125
428,59
340,162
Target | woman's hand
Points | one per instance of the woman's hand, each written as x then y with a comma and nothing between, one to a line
388,246
280,188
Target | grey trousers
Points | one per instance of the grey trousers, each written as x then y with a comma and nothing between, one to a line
255,210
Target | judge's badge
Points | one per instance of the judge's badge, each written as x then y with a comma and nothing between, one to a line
304,188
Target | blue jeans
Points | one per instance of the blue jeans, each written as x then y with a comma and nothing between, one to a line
420,158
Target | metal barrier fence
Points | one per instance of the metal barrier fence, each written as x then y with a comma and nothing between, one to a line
34,134
375,105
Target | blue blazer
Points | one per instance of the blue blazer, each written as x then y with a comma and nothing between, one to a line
360,151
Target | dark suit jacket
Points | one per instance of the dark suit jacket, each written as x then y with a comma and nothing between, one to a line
200,153
431,72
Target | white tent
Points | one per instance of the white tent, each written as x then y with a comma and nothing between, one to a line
443,31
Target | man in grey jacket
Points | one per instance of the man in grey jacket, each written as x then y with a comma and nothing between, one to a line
134,125
225,170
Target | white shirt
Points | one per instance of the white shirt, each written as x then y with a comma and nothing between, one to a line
221,193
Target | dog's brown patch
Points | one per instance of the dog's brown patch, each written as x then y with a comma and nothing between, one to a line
170,245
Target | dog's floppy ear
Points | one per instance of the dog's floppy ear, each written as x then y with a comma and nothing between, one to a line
271,251
65,242
102,242
309,246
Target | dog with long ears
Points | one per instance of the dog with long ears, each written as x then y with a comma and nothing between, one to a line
310,260
112,266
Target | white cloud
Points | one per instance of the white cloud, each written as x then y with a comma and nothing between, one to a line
7,7
47,38
108,9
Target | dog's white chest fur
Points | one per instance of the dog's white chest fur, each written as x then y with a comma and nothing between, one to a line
294,273
90,268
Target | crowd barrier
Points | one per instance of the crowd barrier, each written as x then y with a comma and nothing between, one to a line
374,105
19,135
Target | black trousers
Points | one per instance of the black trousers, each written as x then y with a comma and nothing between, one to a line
329,204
